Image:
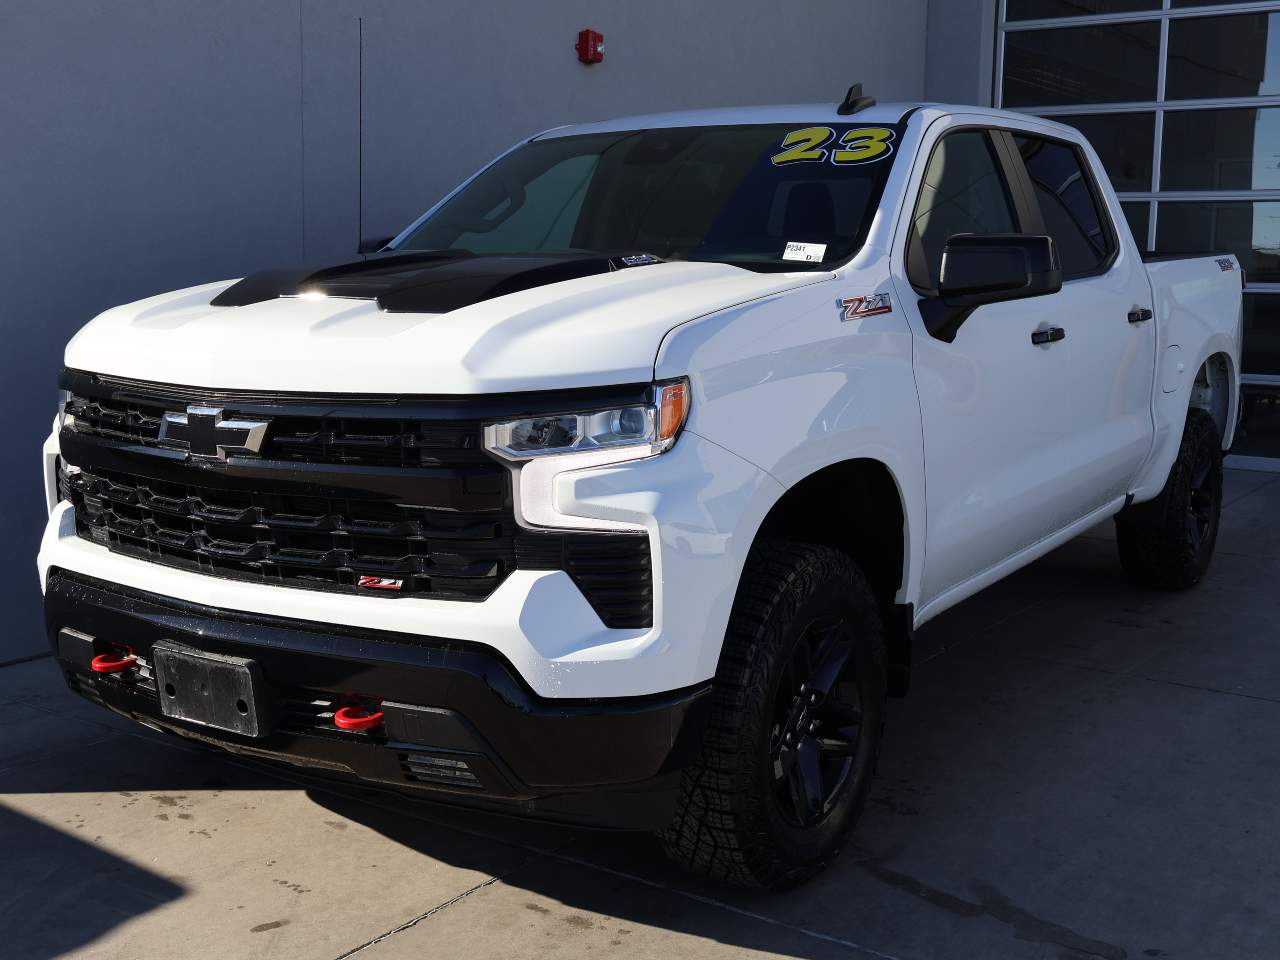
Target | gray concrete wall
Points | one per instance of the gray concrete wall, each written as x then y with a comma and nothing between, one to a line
961,51
154,144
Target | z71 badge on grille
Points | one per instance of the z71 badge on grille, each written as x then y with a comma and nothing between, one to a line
380,583
206,433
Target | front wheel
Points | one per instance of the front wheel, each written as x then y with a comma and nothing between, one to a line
1168,542
797,716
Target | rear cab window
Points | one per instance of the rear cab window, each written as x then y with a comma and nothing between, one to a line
1070,204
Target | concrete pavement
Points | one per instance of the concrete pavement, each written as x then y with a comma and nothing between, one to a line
1082,770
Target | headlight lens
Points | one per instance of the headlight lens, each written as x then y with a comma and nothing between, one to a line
646,429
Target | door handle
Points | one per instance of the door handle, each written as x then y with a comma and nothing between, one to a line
1139,314
1048,335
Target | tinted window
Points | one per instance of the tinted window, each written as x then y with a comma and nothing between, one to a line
732,194
1221,150
1223,56
545,216
1262,334
1124,143
1109,64
963,192
1067,204
1249,230
1044,9
1139,217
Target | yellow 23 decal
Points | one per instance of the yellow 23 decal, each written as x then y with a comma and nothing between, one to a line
864,145
809,144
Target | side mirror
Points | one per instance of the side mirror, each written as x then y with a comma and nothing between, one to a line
372,244
989,268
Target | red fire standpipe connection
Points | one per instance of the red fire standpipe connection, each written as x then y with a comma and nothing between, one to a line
590,46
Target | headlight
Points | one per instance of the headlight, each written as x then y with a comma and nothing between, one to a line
632,432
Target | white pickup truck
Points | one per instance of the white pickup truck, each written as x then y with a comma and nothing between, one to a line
612,489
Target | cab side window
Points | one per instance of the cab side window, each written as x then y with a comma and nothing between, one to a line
1068,204
964,191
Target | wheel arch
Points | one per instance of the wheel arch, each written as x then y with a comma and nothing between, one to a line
1216,391
857,506
1214,388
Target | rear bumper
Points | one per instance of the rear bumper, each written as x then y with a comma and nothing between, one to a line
460,724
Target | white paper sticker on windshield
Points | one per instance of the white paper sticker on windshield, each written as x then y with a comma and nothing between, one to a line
805,252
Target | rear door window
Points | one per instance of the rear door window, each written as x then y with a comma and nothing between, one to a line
1069,204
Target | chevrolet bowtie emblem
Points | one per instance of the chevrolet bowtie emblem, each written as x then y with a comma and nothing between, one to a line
205,432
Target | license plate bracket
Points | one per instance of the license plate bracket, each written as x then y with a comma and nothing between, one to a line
212,689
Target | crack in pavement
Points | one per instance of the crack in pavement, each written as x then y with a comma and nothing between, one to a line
1131,675
424,916
16,661
991,903
1249,493
712,902
554,853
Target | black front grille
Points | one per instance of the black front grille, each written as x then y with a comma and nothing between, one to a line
370,440
340,491
296,540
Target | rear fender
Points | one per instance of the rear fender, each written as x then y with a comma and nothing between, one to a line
1209,378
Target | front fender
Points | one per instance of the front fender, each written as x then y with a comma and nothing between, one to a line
791,386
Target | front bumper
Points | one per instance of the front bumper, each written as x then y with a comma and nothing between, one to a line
460,725
699,503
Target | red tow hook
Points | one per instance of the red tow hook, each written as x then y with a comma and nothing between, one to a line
357,718
114,662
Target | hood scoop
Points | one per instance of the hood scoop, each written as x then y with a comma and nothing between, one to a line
424,281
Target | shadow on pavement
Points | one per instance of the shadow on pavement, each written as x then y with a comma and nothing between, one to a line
62,892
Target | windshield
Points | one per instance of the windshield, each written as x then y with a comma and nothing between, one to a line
762,197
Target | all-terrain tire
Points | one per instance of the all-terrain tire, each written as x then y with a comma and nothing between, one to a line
731,821
1168,542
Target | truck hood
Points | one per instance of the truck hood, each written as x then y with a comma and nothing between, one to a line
589,331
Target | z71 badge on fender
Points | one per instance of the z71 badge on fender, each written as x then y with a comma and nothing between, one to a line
856,307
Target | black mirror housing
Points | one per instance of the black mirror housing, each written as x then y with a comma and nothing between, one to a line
992,268
978,269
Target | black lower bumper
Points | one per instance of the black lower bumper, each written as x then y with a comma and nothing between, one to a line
460,726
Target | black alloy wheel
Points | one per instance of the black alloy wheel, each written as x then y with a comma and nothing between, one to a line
796,723
1202,504
819,721
1167,542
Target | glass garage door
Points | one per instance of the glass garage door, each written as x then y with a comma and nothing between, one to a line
1181,99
